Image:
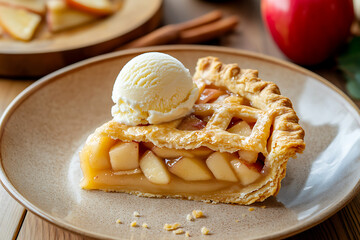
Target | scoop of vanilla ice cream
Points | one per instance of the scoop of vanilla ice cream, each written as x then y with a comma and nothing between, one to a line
153,88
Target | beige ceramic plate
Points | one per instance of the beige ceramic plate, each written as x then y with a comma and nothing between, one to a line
133,19
44,128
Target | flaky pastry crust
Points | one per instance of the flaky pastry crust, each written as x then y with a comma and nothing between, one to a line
276,134
287,137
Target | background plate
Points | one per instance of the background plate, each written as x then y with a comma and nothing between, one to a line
45,126
48,52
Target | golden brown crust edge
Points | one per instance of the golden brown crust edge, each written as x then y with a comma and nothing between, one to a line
287,137
285,142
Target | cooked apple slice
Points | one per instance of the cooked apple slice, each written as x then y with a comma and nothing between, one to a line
249,156
148,145
189,169
245,174
209,95
36,6
221,98
242,128
201,152
154,168
124,156
19,23
99,152
169,153
59,16
96,7
191,123
219,165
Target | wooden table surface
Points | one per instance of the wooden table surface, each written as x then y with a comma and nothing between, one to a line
18,223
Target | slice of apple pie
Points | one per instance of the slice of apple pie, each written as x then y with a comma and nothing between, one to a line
233,147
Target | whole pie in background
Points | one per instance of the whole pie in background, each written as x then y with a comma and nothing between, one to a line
231,146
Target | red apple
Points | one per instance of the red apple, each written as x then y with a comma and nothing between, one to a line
308,31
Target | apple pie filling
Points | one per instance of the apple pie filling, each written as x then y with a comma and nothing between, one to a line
230,145
142,166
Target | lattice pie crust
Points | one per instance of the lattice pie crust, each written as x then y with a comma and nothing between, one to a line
269,130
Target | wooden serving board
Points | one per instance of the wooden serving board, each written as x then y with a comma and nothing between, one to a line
50,51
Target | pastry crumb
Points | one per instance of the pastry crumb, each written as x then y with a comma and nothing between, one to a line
263,207
189,217
170,227
251,209
187,234
136,214
118,221
133,224
237,220
197,213
205,231
144,225
178,231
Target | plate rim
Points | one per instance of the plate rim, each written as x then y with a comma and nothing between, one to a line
33,88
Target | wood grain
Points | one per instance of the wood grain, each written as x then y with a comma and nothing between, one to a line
11,215
11,212
9,89
35,228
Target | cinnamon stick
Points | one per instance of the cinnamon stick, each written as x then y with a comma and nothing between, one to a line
196,30
208,31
